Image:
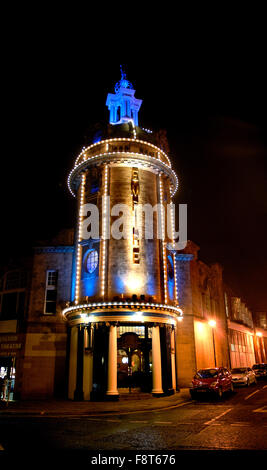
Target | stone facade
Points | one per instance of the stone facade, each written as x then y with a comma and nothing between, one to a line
200,291
44,367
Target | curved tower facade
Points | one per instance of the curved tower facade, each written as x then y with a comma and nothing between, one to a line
124,307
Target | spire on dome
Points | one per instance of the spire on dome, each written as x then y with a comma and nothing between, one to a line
123,83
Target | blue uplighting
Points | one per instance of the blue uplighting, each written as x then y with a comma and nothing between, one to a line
123,83
171,282
123,106
97,137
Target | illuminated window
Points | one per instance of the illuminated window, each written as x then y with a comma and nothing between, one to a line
139,330
91,261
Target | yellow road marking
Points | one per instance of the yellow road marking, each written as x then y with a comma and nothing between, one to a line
217,417
246,398
261,410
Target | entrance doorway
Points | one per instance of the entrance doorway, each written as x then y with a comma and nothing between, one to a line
134,358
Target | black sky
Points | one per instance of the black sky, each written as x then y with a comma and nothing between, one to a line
213,106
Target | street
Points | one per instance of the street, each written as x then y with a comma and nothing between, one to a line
237,422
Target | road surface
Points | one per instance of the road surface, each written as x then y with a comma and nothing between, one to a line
237,422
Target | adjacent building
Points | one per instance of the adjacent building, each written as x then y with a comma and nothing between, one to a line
260,337
241,332
202,335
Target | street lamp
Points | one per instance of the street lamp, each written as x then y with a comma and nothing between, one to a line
212,323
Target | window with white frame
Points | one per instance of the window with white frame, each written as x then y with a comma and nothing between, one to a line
51,292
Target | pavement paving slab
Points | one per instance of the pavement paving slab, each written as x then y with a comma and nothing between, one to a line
131,402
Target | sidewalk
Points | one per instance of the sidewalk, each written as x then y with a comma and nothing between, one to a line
128,403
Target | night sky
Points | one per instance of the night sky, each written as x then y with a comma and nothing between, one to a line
213,107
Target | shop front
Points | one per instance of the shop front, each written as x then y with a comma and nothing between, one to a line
10,352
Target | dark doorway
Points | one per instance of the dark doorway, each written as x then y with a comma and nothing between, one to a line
134,362
100,362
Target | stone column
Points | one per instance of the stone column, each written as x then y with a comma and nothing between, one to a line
115,112
88,363
73,361
173,364
176,360
156,362
78,394
112,390
146,386
136,117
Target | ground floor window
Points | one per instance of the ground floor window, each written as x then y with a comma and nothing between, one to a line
241,348
7,378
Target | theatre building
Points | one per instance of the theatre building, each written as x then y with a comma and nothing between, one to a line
103,311
92,315
124,301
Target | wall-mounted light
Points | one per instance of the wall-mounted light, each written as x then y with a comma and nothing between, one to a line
138,316
134,283
85,318
212,323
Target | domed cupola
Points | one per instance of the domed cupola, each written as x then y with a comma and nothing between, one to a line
123,106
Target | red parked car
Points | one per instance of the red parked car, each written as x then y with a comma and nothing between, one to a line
216,380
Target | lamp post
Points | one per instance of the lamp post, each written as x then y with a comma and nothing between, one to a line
212,323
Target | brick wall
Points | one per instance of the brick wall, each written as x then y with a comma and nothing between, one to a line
44,365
